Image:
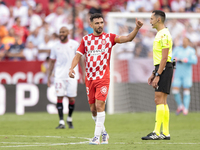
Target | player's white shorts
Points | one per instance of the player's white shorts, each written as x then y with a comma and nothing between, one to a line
66,87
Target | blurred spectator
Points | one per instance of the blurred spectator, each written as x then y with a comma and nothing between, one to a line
11,19
147,40
188,5
28,3
19,30
35,37
50,8
14,53
2,50
192,35
21,11
9,39
133,5
59,3
39,10
87,27
34,20
125,51
54,38
68,8
2,2
46,29
56,19
178,5
140,50
44,48
30,52
165,4
175,27
44,69
4,14
3,31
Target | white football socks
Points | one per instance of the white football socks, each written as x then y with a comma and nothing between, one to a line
62,122
99,128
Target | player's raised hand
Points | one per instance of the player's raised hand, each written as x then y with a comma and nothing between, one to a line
139,23
71,73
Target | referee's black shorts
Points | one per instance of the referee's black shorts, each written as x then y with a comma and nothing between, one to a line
164,83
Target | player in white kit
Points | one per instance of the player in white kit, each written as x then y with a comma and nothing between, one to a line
61,56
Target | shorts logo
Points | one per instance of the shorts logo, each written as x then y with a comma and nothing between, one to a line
104,90
103,42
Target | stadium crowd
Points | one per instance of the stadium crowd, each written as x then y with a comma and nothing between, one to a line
28,30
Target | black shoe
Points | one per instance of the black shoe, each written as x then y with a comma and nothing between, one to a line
164,137
61,126
151,136
70,125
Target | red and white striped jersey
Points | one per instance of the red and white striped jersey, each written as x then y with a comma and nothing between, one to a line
97,50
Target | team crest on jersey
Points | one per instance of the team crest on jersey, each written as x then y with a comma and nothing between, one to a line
88,42
104,90
103,42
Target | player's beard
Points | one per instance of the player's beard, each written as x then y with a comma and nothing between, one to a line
62,39
99,30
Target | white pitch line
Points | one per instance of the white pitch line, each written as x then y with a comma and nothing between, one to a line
48,144
42,144
33,136
159,143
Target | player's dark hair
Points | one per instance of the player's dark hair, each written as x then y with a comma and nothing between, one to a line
96,15
160,13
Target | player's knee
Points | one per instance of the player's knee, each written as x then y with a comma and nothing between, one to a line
175,91
159,99
94,112
186,92
71,100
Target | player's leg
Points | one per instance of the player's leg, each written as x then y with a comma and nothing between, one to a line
90,89
71,89
101,95
159,100
187,84
177,96
71,107
102,87
165,134
59,86
100,128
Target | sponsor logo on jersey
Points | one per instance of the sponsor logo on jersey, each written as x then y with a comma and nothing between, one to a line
96,51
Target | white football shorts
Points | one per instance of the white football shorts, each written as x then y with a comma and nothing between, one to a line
66,87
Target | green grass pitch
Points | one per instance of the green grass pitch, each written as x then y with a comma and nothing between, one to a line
36,131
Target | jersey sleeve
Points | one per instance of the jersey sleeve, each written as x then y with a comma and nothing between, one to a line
112,38
53,54
164,40
81,48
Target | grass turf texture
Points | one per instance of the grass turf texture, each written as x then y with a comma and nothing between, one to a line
36,131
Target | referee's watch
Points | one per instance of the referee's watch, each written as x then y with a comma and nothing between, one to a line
157,74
